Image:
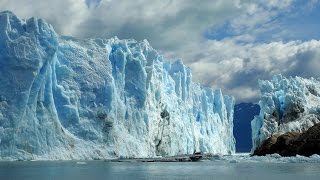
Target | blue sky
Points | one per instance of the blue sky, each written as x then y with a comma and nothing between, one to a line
229,44
300,21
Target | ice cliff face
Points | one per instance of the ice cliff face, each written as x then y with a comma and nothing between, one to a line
64,98
287,105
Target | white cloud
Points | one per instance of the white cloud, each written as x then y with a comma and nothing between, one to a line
64,15
176,28
236,68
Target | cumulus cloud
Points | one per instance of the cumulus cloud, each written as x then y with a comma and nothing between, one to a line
167,24
64,15
236,68
220,40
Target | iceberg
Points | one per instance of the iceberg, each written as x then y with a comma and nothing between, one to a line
68,98
287,105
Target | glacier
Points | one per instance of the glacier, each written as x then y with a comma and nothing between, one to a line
68,98
287,105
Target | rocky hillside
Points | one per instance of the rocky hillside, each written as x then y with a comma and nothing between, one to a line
292,143
288,122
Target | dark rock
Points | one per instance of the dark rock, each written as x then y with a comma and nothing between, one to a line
267,146
292,143
293,111
165,114
310,141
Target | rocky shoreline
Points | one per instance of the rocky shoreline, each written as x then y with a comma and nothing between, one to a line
292,143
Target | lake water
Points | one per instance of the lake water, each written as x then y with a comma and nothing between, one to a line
219,169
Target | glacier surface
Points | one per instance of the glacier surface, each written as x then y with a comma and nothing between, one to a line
65,98
286,105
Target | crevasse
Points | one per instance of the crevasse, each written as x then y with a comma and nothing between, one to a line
65,98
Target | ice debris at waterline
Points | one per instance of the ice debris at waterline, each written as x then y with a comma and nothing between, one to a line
269,158
287,105
64,98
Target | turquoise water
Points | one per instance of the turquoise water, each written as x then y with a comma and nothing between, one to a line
172,170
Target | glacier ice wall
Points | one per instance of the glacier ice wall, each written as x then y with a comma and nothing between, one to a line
287,105
64,98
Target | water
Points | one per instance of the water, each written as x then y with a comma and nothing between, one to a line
216,169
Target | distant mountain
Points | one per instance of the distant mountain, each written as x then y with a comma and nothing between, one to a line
243,114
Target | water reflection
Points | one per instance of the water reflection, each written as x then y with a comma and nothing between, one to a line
173,170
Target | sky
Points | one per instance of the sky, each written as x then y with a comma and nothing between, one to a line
228,44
